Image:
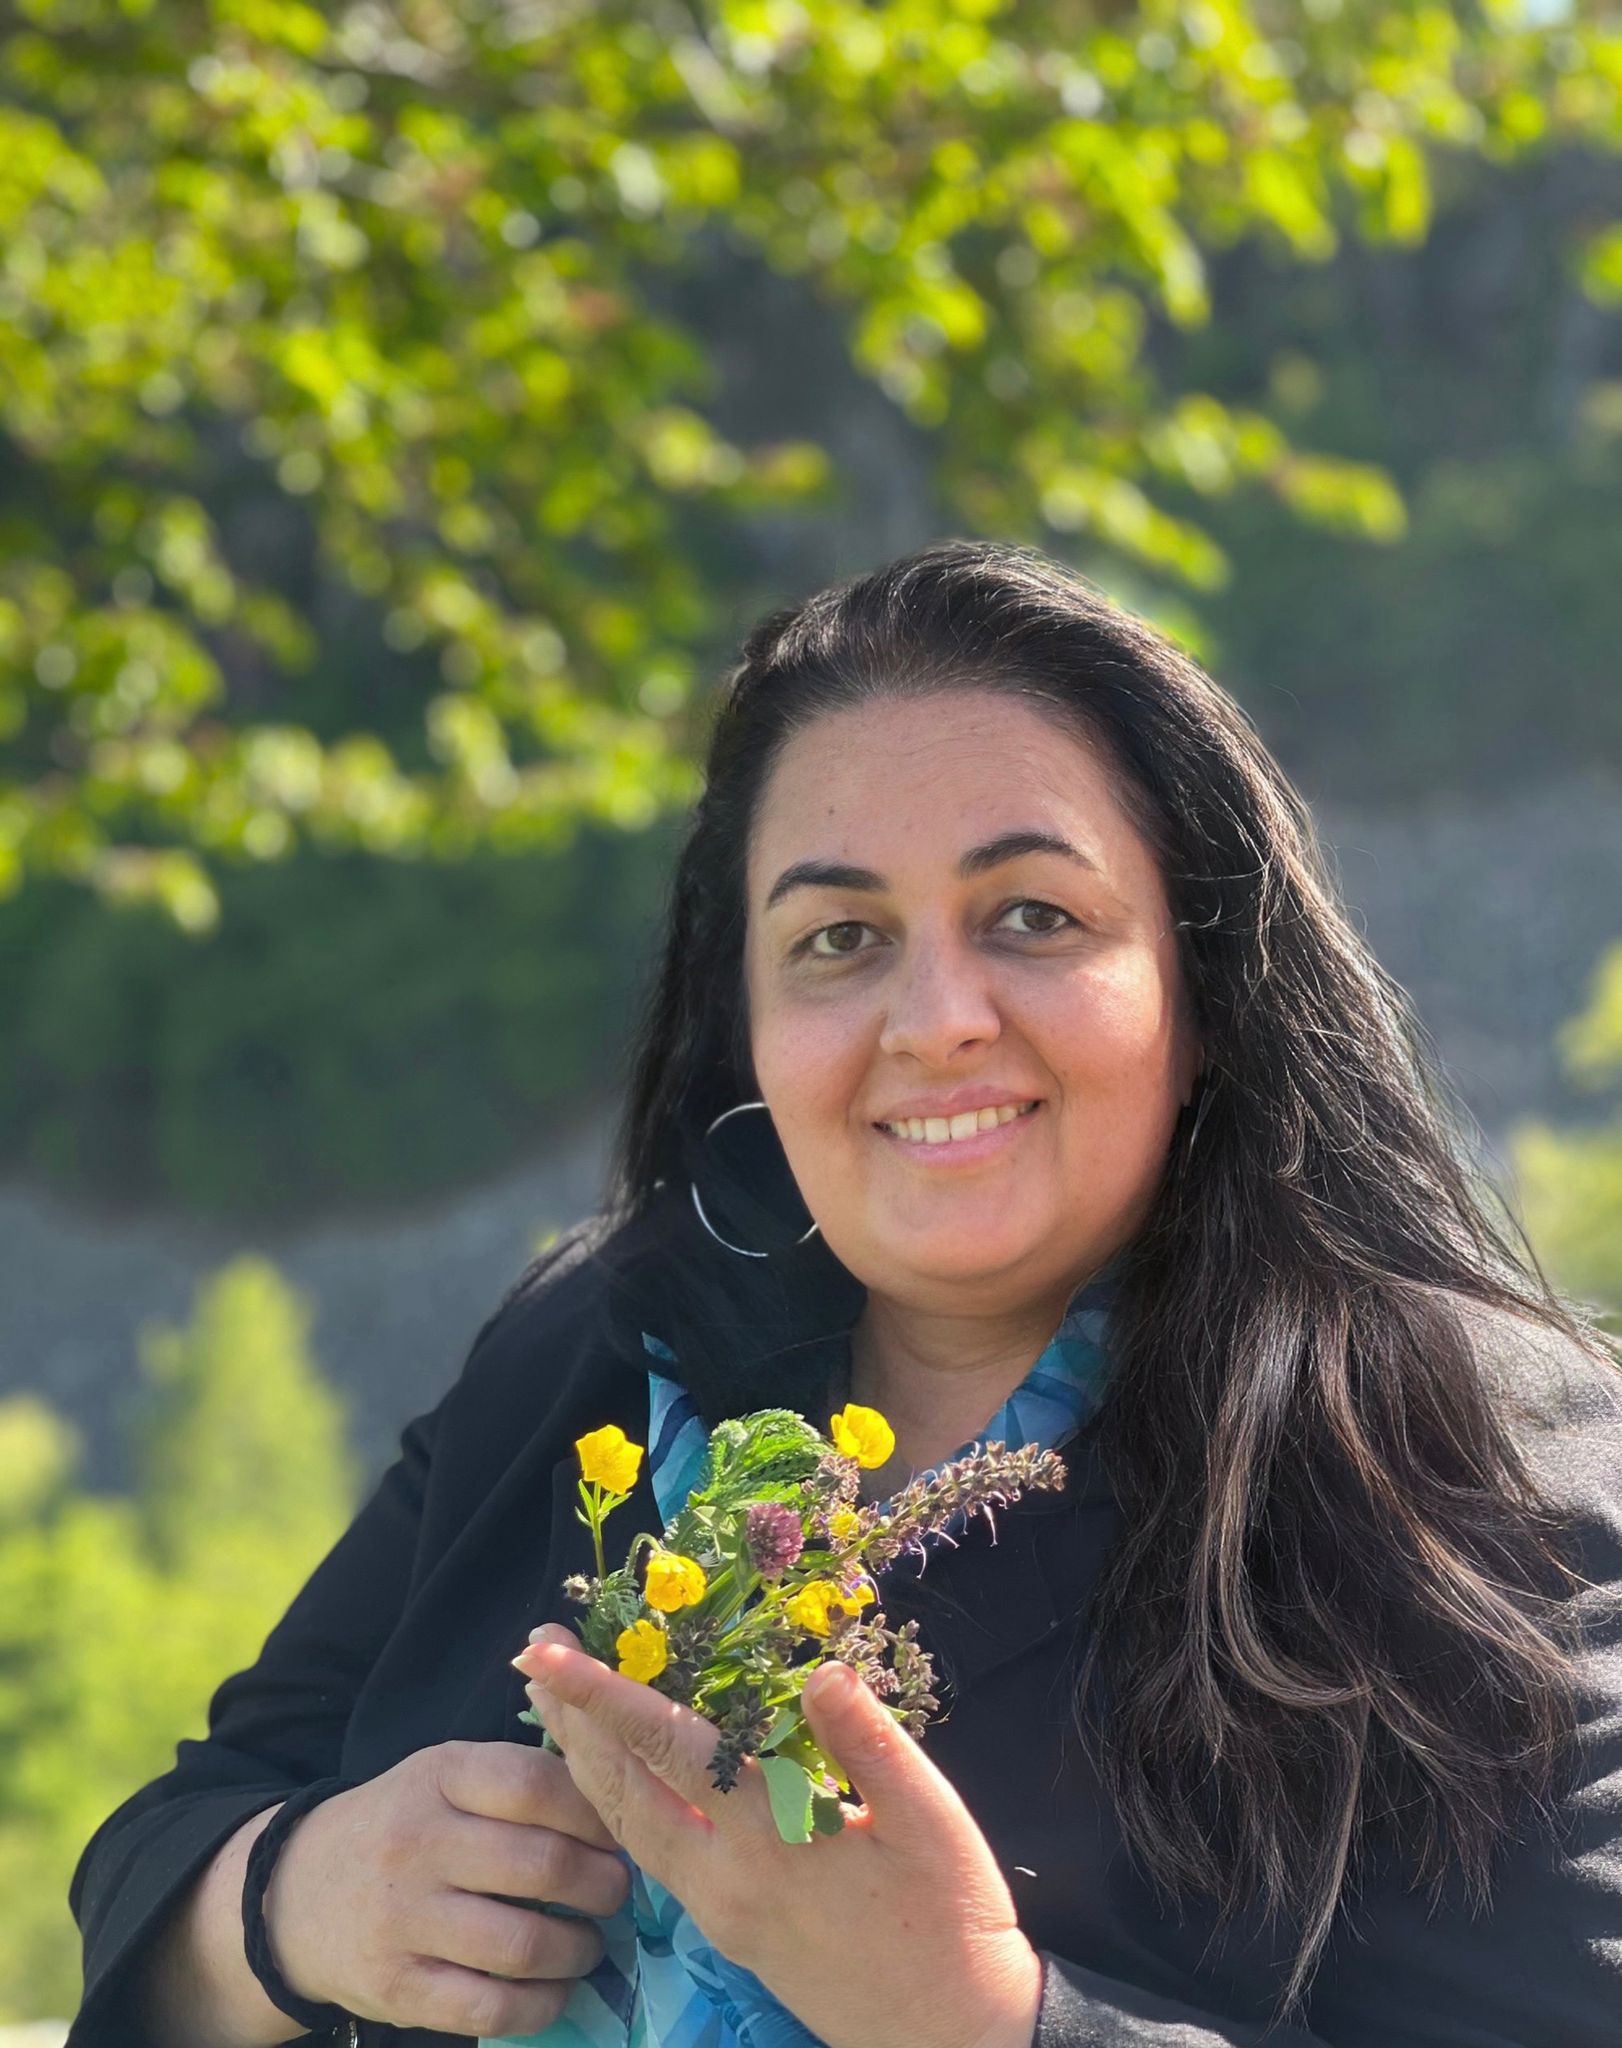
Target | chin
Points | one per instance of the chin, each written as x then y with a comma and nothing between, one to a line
956,1255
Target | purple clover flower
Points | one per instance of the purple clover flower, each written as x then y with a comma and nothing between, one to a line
775,1537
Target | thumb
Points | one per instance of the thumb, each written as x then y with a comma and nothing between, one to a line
859,1733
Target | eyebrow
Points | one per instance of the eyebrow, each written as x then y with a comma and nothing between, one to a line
994,853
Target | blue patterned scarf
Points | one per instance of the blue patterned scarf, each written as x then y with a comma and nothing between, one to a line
660,1984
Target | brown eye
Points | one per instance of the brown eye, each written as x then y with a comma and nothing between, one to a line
851,928
1044,910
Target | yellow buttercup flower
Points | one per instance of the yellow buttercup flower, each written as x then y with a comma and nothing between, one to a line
609,1459
673,1581
809,1609
814,1606
643,1651
862,1434
843,1524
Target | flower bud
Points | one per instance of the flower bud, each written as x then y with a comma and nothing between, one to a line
775,1538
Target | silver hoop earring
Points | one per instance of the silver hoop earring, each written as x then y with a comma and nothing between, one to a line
742,1250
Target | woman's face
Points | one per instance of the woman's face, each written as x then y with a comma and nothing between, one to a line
914,958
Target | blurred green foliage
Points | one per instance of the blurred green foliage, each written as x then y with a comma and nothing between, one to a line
357,1030
355,323
120,1616
1480,652
1570,1180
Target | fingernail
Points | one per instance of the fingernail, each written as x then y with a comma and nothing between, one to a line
834,1689
539,1698
525,1662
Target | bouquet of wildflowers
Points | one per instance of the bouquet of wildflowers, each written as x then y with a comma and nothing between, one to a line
767,1571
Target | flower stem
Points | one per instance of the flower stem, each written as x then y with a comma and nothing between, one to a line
734,1583
592,1495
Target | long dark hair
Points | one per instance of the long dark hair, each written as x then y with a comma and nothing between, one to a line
1335,1608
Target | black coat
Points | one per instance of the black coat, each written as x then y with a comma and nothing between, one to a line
401,1639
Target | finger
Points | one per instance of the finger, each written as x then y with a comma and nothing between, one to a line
515,1781
649,1819
676,1745
858,1732
555,1632
448,1999
549,1632
513,1941
484,1855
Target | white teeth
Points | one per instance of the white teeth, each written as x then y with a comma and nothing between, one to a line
940,1130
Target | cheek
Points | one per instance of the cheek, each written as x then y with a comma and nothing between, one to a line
809,1060
1114,1027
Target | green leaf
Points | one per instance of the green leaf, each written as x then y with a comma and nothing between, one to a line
791,1795
827,1814
749,1456
787,1724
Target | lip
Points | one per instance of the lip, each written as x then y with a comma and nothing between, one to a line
964,1151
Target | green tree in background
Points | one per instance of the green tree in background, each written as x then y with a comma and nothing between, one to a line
1571,1180
356,1030
241,1432
338,344
119,1617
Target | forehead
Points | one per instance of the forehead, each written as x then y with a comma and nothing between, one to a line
907,785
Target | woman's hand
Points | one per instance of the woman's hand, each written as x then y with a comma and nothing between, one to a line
389,1899
899,1928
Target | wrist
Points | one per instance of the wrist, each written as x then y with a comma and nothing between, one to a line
277,1905
1013,2024
196,1990
284,1930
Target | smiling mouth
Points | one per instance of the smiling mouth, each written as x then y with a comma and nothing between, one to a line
948,1130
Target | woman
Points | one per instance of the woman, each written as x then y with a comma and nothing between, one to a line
1078,1110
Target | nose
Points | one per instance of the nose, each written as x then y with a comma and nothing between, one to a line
941,998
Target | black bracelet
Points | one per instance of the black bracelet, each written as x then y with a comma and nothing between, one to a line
316,2019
